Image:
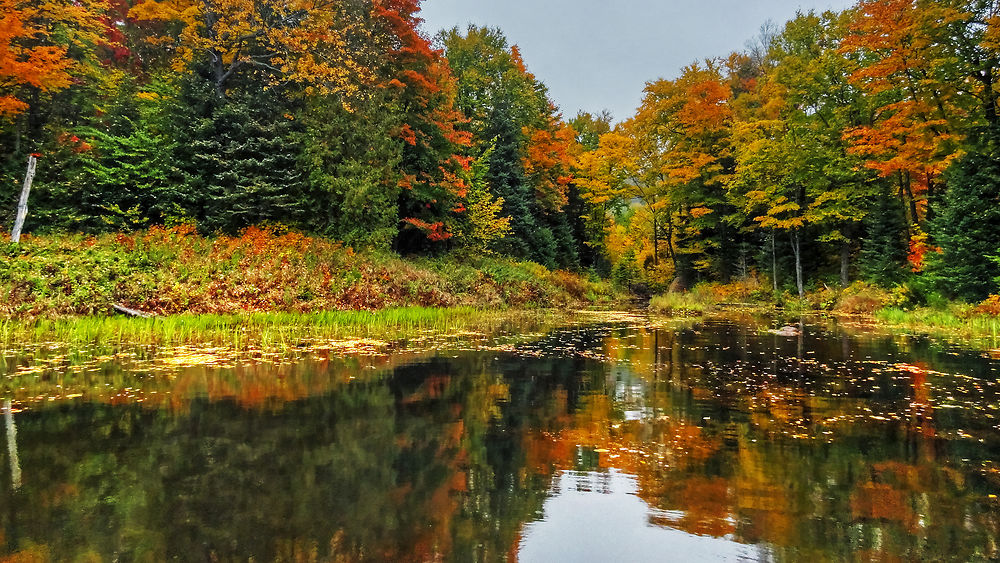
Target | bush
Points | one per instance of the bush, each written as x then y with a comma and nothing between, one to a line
990,307
176,270
680,303
861,298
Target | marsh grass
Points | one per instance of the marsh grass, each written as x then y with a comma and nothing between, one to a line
279,330
690,303
947,322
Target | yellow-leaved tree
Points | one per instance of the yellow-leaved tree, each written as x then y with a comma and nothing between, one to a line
313,42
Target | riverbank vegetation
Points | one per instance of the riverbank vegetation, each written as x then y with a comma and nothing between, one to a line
177,271
842,160
859,303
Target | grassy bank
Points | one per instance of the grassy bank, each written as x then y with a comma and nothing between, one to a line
886,308
959,323
178,271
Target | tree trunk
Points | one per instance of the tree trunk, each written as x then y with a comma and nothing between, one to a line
797,251
656,253
15,463
774,262
22,205
914,214
670,240
845,263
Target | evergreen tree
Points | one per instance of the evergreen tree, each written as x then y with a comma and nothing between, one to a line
566,255
114,171
966,225
506,176
884,249
239,159
353,162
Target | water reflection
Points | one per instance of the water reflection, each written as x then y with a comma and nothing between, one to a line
603,442
596,516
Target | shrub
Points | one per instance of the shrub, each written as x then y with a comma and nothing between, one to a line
861,298
990,307
176,270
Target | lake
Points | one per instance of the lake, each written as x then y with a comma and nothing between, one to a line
605,440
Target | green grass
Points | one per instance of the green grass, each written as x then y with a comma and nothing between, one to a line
681,304
263,330
942,322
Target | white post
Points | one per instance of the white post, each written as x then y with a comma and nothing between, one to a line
15,463
22,205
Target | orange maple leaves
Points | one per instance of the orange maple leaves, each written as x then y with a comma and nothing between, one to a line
549,161
29,56
910,136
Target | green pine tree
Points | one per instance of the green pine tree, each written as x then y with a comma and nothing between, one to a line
966,225
884,247
239,158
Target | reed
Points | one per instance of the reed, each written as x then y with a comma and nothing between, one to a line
942,322
277,330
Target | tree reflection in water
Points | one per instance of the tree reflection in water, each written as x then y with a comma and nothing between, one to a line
826,446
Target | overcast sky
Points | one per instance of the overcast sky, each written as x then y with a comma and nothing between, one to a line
599,54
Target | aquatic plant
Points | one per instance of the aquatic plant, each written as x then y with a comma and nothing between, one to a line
280,330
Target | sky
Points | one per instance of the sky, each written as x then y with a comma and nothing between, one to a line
599,54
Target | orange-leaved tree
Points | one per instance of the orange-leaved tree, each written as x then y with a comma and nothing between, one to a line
907,68
42,44
549,162
435,170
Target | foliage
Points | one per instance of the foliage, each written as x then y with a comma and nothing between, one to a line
883,256
680,304
835,145
176,270
965,226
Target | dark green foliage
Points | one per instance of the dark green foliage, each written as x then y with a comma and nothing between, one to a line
966,225
126,181
352,160
506,177
884,246
625,272
565,243
239,160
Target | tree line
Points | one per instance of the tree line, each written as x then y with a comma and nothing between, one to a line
339,118
859,144
840,146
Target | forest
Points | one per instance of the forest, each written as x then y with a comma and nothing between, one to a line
835,148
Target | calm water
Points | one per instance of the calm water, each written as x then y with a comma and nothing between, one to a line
607,442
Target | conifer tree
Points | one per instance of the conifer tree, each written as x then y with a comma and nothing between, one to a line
239,160
966,225
884,248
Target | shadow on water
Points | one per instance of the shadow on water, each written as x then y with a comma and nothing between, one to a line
714,440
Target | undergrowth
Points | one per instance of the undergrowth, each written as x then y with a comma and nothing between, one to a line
169,271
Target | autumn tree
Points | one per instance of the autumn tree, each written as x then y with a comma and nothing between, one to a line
42,46
910,67
810,92
687,123
509,109
626,169
432,129
305,41
486,224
